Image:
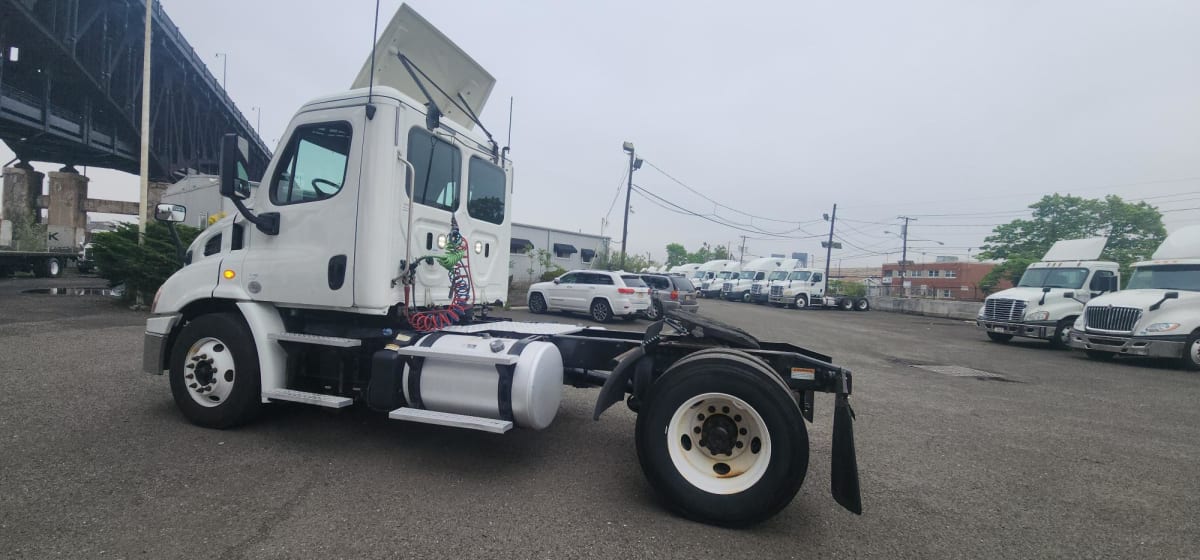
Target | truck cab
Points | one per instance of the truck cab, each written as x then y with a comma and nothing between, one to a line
1158,313
711,286
760,291
738,289
800,287
1051,293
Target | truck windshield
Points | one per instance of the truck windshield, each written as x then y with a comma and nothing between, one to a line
1166,277
760,275
777,275
1054,278
724,275
698,274
800,275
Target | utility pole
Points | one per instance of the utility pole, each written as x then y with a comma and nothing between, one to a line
144,159
742,254
904,253
634,164
829,247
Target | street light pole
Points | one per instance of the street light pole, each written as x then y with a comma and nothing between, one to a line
904,253
634,164
224,67
258,125
144,159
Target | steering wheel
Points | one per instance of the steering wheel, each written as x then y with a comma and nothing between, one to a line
323,193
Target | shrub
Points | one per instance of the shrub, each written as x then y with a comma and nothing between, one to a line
141,268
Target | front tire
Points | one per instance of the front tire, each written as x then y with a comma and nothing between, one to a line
1062,333
537,303
214,372
999,337
801,302
1191,353
601,312
721,440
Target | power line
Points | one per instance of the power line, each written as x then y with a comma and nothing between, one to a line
668,205
1042,192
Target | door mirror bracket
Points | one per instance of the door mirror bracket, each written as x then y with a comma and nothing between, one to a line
235,183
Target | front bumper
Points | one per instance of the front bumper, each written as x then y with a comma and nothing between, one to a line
1030,329
734,295
1150,347
759,298
786,300
154,347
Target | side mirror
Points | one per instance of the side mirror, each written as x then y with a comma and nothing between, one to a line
235,181
556,280
171,213
1166,296
1171,295
1045,290
1111,284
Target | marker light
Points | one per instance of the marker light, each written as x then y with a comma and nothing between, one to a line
478,247
228,274
441,241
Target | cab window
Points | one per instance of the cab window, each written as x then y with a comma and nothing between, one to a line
313,166
485,191
438,164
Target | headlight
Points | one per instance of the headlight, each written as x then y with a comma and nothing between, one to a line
1161,327
981,310
1037,316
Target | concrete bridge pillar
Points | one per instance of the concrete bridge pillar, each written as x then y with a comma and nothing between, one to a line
153,197
22,187
66,216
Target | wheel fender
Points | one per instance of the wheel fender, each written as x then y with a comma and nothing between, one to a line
263,319
618,380
189,284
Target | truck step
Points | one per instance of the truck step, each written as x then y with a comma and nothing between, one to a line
315,339
328,401
504,359
451,419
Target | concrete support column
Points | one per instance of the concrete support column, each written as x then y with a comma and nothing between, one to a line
66,217
154,196
22,187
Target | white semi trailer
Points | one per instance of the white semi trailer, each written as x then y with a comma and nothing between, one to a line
379,237
1158,313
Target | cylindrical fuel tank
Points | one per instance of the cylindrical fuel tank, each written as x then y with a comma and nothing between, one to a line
465,374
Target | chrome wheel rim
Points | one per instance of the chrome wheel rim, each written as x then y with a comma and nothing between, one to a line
209,372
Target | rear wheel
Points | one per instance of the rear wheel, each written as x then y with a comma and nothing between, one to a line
214,372
600,311
862,304
1191,353
721,439
1000,337
48,268
537,303
845,304
654,311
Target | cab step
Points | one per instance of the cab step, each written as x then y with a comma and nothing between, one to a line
317,399
315,339
450,419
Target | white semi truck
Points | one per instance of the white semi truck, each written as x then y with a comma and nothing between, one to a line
711,287
1037,306
1157,314
760,290
738,288
706,272
683,269
798,288
363,276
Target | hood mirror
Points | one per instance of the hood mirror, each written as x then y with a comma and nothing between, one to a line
1166,296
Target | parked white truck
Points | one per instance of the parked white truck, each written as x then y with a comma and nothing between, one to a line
801,286
1038,307
1158,313
706,271
737,288
711,287
364,273
760,290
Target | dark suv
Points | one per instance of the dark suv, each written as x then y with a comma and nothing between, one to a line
669,292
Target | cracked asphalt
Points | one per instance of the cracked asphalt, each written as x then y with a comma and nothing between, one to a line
1057,457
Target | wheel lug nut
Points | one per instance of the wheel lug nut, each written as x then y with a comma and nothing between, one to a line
193,386
189,376
738,444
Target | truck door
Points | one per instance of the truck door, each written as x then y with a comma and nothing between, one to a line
313,185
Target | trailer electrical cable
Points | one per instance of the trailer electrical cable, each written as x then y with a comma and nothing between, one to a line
458,261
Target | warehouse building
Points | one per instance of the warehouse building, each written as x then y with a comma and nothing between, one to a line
567,250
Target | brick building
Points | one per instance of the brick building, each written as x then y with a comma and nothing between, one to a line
945,279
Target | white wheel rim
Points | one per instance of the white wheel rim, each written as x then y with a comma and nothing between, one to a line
1194,351
710,415
53,267
209,372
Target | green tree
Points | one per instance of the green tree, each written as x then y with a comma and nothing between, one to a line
677,254
1133,231
141,268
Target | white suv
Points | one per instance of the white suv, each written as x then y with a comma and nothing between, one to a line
599,293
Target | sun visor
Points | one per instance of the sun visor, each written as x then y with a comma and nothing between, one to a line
1076,249
439,58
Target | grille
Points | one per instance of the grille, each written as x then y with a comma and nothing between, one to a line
1000,309
1115,319
727,286
776,290
756,289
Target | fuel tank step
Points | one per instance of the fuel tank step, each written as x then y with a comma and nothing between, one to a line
328,401
451,420
315,339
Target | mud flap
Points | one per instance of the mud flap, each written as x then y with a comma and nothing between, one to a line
844,470
614,387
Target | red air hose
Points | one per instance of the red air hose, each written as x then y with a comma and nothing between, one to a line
461,297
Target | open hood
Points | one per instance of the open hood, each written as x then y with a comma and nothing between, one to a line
439,58
1076,249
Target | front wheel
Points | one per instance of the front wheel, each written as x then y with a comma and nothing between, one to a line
214,372
721,440
801,302
1062,333
1191,353
537,303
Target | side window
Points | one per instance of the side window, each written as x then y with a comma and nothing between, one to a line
817,277
213,245
1100,280
314,164
485,191
571,278
602,279
439,169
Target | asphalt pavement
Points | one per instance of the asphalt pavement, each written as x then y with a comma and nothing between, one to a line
999,451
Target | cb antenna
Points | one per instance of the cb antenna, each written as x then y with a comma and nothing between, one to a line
508,143
371,83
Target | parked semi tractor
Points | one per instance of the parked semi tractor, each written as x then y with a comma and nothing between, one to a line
363,277
1037,306
1157,314
798,288
760,290
683,269
738,288
711,287
706,272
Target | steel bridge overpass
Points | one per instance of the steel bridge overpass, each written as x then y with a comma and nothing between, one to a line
71,84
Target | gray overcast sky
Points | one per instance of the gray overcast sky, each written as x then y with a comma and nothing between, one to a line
778,109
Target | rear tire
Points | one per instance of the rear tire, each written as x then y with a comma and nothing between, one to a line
601,312
750,406
999,337
845,304
48,268
654,312
862,304
1191,353
537,303
220,348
